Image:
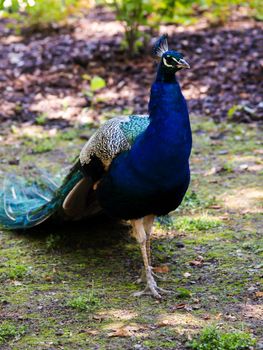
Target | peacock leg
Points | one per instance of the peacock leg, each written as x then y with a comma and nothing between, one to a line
140,235
148,226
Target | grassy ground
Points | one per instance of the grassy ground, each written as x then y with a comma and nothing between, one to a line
72,288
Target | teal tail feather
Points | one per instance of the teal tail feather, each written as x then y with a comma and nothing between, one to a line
24,204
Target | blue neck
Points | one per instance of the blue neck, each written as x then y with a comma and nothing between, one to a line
167,141
165,74
167,103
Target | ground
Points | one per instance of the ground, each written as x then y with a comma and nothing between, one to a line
71,287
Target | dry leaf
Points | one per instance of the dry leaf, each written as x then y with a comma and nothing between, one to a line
17,283
161,269
230,317
163,323
195,263
259,294
124,331
214,207
206,317
180,306
198,261
224,217
187,274
48,278
92,331
99,317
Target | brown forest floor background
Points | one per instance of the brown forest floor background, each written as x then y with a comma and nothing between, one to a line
38,71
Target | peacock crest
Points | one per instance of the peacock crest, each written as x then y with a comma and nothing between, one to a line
161,46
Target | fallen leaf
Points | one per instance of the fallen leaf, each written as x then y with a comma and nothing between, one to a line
214,207
187,274
195,263
206,317
224,217
210,172
48,278
179,306
198,261
218,316
99,318
230,317
92,331
17,283
163,323
259,294
124,331
161,269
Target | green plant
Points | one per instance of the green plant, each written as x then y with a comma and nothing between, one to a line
97,83
88,302
183,293
256,9
8,330
232,111
213,339
53,241
41,119
190,224
68,135
134,14
42,13
17,271
42,145
193,201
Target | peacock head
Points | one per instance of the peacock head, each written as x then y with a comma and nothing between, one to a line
171,60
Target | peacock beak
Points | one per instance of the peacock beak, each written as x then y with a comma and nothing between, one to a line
183,64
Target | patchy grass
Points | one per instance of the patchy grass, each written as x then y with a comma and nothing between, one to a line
192,224
41,119
72,286
40,145
9,330
17,271
88,302
213,339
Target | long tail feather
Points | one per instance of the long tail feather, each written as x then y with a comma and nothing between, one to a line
24,204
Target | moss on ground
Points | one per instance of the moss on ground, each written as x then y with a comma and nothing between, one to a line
211,249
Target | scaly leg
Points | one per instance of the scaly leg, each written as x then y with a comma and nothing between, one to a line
148,225
140,235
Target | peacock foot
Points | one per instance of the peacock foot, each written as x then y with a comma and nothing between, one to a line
151,286
161,278
142,278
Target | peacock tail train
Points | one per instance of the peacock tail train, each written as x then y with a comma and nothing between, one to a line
24,204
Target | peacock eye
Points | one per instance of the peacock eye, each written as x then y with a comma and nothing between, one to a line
169,59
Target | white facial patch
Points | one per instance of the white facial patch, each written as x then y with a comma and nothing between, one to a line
166,64
175,60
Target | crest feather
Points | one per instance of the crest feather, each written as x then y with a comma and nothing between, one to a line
161,46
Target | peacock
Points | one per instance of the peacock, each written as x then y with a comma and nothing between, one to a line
133,168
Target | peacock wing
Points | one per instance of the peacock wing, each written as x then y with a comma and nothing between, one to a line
114,137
